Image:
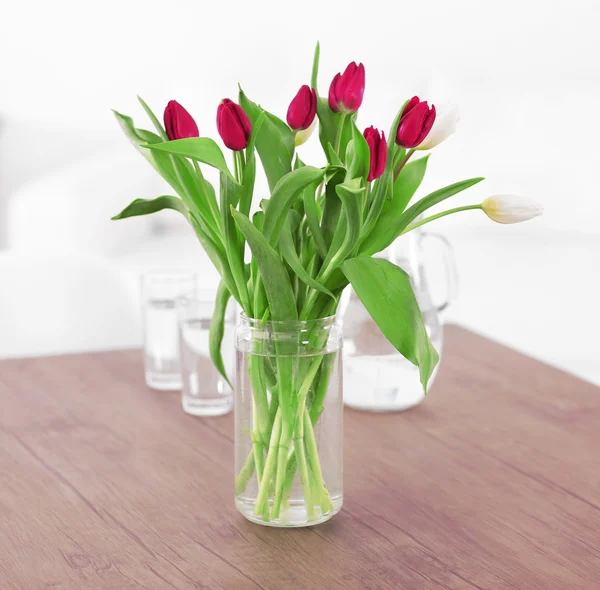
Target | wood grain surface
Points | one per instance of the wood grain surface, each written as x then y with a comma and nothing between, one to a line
492,482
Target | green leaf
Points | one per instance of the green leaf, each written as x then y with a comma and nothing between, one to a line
274,275
234,245
406,185
248,179
201,149
386,228
256,126
283,197
274,141
288,251
258,219
177,171
315,68
141,137
154,119
433,199
329,123
331,208
215,253
351,194
386,292
313,216
217,329
332,157
147,206
359,162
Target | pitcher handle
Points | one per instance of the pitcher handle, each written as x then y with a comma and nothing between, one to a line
450,266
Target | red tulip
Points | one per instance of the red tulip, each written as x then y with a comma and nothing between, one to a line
233,125
178,122
416,122
303,108
347,89
378,149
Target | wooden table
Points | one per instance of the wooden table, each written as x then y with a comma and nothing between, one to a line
493,482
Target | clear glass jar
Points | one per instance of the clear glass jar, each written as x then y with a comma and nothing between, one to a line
288,421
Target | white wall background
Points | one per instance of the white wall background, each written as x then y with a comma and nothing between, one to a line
525,74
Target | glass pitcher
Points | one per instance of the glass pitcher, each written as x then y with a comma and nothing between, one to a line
376,377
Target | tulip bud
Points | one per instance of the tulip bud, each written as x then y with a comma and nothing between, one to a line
443,127
303,108
303,135
511,208
378,149
179,124
233,125
416,122
347,89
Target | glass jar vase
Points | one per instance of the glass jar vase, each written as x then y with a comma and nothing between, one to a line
288,421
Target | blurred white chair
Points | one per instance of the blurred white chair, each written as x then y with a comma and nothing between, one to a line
58,303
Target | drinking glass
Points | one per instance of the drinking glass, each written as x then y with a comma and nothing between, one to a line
161,291
205,392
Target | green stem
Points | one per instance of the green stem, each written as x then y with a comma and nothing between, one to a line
241,481
262,499
313,457
259,391
440,215
236,166
398,169
282,469
257,443
285,441
315,412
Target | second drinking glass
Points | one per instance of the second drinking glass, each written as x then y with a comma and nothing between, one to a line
205,391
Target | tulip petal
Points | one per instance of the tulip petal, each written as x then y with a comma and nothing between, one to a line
233,125
334,103
427,124
416,122
354,89
511,208
444,126
179,124
377,151
302,109
382,150
413,102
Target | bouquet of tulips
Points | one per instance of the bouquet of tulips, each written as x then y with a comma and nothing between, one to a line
316,234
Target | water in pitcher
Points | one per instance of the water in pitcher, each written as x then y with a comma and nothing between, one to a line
377,377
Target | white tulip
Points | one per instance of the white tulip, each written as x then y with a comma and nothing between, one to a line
511,208
444,126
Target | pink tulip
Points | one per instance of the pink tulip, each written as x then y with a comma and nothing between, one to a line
416,122
378,149
347,89
233,125
303,108
179,124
